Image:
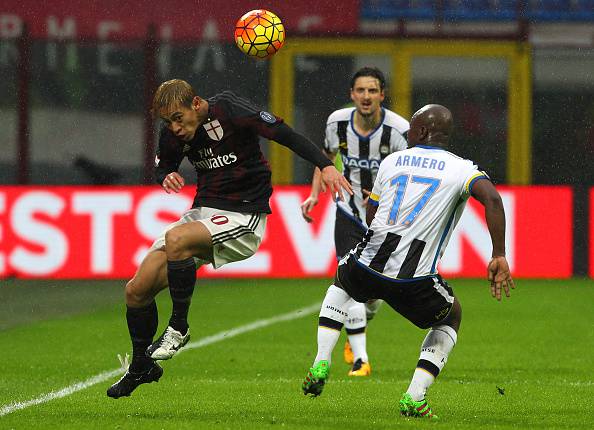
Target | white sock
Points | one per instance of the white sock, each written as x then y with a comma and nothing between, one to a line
371,308
359,346
421,380
435,349
355,325
327,339
332,316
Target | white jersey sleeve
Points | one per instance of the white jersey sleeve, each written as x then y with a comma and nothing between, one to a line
400,126
331,140
474,175
398,142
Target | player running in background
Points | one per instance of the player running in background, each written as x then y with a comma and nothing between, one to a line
220,137
417,199
364,134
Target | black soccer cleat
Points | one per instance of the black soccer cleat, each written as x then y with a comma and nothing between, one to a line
130,380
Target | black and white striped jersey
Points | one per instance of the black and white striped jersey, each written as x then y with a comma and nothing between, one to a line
362,155
421,193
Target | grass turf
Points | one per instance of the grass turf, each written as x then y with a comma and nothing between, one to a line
533,347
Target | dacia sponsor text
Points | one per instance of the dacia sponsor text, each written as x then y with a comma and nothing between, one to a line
361,163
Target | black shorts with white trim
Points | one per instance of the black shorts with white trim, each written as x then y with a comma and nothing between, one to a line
348,232
423,301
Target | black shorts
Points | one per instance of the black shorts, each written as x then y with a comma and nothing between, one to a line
347,233
424,302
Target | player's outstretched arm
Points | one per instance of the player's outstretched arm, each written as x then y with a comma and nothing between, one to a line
334,181
310,202
173,182
316,187
331,178
498,271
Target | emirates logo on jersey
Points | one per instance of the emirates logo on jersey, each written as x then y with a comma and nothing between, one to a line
209,161
214,129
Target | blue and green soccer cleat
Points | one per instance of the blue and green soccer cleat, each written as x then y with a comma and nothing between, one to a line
420,409
316,378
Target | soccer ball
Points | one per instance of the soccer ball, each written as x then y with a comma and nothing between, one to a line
259,33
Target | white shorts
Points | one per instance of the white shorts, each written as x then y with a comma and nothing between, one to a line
235,235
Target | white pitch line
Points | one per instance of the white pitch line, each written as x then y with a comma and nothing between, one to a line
209,340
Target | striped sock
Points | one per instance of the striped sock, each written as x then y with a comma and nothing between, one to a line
332,316
435,350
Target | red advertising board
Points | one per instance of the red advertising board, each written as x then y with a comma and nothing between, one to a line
203,19
539,235
103,232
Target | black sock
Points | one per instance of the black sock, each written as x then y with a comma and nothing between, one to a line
142,325
181,275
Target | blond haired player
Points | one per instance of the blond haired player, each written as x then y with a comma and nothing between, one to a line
220,137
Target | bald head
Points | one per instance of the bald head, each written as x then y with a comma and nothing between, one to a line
430,125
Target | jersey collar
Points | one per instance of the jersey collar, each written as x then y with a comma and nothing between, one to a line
374,130
430,147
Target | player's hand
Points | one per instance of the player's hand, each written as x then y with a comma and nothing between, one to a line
500,277
366,194
173,182
333,180
307,206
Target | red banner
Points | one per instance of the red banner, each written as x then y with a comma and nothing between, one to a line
539,235
202,19
103,232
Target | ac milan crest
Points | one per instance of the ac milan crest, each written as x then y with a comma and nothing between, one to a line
214,129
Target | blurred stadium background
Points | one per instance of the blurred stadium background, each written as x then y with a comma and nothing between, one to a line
78,79
77,200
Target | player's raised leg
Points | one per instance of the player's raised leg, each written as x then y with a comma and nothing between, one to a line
332,316
356,327
436,347
182,243
142,320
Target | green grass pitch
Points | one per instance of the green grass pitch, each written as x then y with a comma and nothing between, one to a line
523,363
